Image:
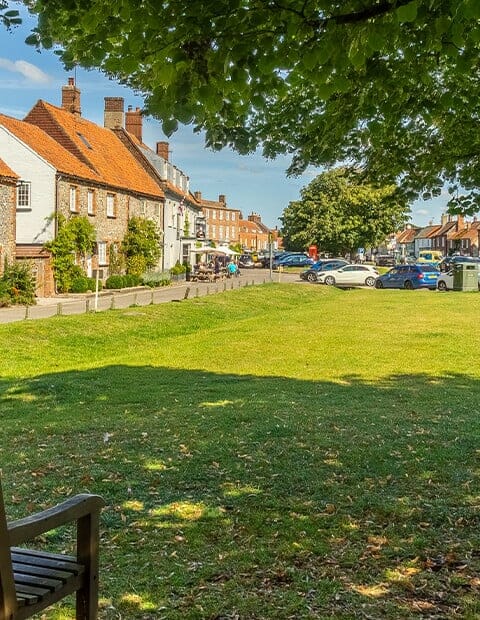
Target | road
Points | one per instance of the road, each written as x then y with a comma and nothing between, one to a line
107,300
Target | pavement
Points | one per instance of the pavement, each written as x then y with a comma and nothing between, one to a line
47,307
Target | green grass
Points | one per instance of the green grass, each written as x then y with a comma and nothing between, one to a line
278,451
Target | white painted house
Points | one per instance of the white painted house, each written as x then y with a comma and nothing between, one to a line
36,188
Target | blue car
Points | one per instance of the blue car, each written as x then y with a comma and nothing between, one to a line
294,260
409,277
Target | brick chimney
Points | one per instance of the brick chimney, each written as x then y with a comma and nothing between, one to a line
133,122
198,196
162,150
460,223
222,199
113,115
254,217
71,98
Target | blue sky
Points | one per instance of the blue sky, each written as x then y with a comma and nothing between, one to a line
250,183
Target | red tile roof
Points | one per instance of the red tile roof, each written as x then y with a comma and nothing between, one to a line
97,147
6,171
48,148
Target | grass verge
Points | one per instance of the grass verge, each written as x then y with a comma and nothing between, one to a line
276,452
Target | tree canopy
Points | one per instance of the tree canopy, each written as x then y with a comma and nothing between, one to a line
386,85
339,214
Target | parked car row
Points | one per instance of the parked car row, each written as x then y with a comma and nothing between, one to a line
415,276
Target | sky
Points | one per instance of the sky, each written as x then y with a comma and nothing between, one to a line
250,182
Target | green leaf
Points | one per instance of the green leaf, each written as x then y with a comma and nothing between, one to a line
169,126
408,13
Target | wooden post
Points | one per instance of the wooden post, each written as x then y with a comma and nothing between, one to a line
112,302
87,554
187,293
87,305
27,312
151,299
59,309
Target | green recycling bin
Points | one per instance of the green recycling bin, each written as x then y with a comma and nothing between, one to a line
465,277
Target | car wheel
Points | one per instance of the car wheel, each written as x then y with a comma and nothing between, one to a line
408,285
311,277
370,281
378,284
329,280
442,286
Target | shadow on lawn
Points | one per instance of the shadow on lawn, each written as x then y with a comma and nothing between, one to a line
265,497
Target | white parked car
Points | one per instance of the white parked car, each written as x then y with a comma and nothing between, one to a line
350,275
445,281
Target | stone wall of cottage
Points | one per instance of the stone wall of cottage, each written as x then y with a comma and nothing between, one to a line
7,222
108,211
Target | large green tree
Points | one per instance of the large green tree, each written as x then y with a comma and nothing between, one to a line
339,213
388,85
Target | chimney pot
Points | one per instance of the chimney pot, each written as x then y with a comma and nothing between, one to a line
113,114
162,150
133,122
71,98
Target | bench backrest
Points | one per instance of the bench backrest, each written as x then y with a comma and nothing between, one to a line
8,598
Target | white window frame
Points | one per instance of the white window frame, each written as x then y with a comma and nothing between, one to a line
110,206
90,202
72,198
24,195
102,253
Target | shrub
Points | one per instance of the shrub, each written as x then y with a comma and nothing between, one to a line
155,279
114,281
131,279
18,282
80,284
5,299
92,283
178,269
136,265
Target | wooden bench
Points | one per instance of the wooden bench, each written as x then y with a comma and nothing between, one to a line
33,580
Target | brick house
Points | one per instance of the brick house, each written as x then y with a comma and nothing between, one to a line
8,203
70,166
254,235
222,222
443,238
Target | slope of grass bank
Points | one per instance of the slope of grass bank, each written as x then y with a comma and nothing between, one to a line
273,452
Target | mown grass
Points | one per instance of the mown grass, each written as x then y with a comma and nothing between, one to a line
279,451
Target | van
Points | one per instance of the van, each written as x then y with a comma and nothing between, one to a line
429,256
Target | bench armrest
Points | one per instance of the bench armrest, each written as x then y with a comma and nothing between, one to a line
68,511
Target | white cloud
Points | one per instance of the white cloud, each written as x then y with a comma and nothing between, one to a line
29,71
422,212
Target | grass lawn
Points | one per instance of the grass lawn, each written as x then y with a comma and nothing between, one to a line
278,451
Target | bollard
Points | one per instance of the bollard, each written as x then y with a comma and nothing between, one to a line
197,292
59,309
187,293
151,299
232,285
135,299
27,312
208,290
224,286
112,303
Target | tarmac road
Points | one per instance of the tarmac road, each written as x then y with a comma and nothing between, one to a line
79,304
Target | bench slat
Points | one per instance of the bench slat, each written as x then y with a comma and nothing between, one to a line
47,560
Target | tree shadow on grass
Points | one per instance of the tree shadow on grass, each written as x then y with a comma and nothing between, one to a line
259,497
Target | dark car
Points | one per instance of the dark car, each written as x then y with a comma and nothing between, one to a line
409,277
294,260
310,274
384,260
448,262
245,261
